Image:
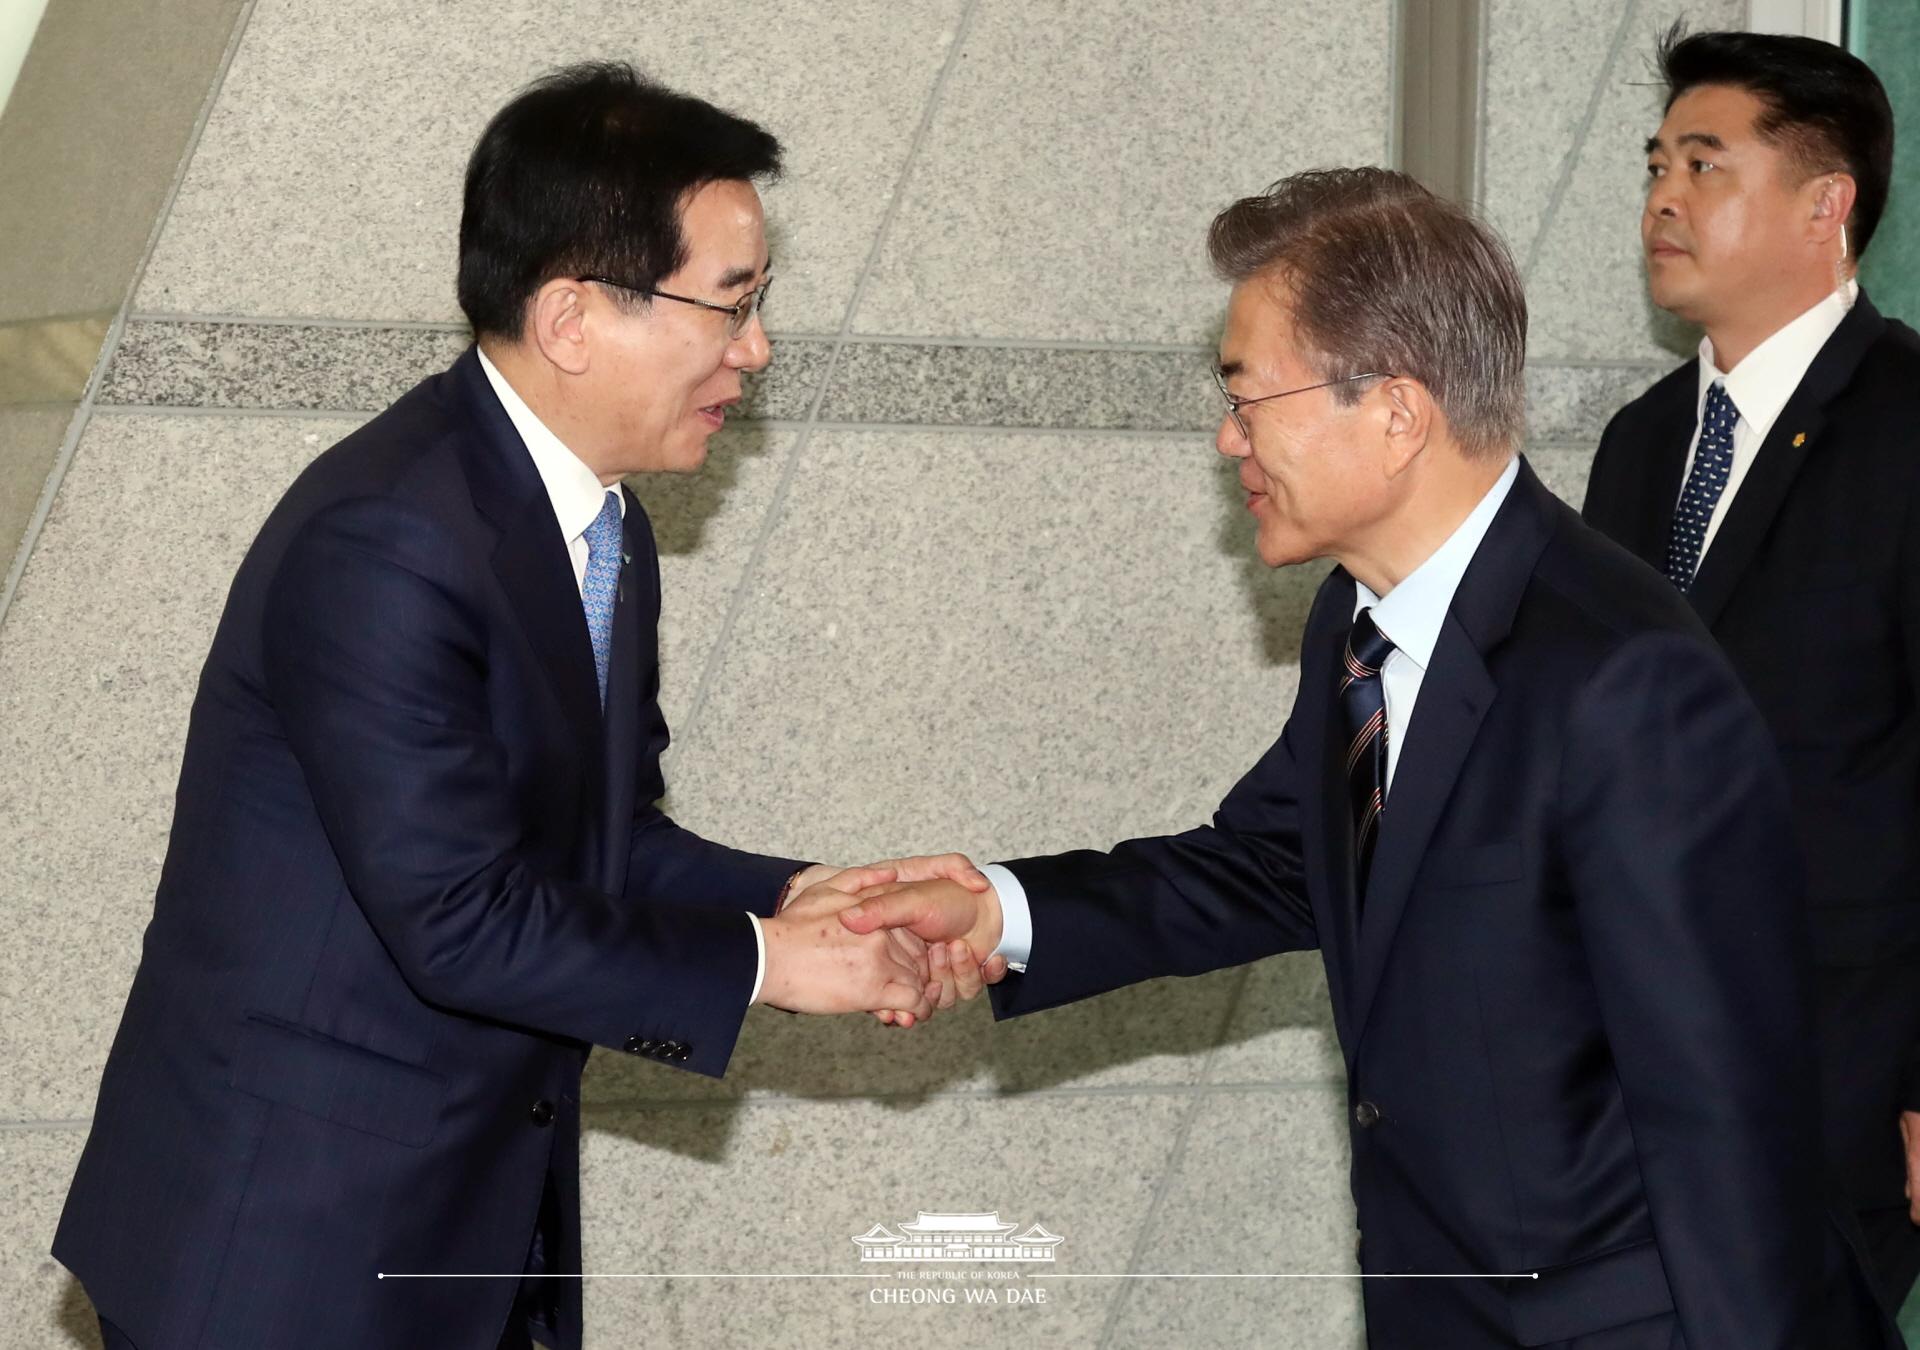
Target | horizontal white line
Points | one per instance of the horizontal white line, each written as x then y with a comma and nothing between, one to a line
1355,1275
677,1275
881,1275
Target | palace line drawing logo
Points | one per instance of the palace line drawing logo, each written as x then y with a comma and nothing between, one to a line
957,1237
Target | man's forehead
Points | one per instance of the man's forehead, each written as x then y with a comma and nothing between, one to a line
1258,326
726,234
1710,115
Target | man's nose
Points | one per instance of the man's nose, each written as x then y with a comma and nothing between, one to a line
1229,441
751,350
1663,199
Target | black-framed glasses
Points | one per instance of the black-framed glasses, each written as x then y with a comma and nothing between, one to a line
1235,403
739,314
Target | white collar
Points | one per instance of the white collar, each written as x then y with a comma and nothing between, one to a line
573,488
1761,384
1410,614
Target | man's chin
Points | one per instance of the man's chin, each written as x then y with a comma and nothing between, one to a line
1280,552
688,458
1666,294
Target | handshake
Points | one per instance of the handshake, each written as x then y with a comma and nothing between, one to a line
897,939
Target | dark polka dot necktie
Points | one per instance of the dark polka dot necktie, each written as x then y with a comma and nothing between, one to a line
1712,461
1363,706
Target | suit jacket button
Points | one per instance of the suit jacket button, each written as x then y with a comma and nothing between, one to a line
681,1050
1366,1115
542,1112
636,1046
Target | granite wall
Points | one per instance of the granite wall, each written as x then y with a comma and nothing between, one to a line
973,549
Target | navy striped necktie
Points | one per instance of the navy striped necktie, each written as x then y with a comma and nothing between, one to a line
1363,706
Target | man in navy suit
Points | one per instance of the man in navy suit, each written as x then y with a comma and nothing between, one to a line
1775,479
1523,808
416,869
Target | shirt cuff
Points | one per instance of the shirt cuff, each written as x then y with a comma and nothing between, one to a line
1016,919
760,957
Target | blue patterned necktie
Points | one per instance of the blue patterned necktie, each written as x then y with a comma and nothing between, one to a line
1363,705
601,588
1712,461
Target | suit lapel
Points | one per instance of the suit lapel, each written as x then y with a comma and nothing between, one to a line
530,561
1455,695
1675,420
1326,835
1795,433
632,655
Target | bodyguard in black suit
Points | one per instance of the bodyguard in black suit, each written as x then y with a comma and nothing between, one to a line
1521,806
1793,528
415,867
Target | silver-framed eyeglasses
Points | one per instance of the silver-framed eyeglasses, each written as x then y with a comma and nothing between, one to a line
739,314
1235,403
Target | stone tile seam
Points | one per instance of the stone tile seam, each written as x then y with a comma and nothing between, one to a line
1195,435
784,1101
1249,1088
1176,1152
851,339
1483,77
736,603
76,428
926,342
1577,143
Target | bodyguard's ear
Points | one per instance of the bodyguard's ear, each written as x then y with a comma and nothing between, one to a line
1407,414
1832,205
557,324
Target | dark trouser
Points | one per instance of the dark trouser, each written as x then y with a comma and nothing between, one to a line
1867,1018
1893,1246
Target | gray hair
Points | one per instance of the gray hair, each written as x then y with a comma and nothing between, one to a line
1383,275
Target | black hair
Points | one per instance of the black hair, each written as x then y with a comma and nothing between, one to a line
585,172
1821,102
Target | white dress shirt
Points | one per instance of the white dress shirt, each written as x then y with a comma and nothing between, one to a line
1410,615
1760,386
578,495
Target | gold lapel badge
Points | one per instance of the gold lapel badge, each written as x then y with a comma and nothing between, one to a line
1799,439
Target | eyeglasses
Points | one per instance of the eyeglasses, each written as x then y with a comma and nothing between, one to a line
1235,403
739,314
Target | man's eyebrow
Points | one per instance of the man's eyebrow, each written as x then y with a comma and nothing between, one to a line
735,277
1702,138
1228,369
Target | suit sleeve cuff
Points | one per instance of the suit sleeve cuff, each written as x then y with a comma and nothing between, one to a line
1016,919
760,958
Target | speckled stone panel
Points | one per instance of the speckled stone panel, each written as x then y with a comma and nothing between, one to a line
327,182
1080,149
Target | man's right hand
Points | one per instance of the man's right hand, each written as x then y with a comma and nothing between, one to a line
817,965
936,912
